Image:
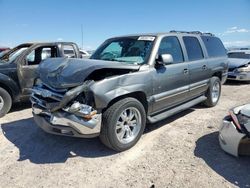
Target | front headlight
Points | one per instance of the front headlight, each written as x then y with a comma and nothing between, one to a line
244,69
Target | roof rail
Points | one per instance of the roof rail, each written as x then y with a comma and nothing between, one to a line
191,32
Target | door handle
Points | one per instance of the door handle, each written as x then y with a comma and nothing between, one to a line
204,67
185,71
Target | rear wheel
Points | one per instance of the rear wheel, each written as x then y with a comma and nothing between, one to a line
123,124
213,92
5,102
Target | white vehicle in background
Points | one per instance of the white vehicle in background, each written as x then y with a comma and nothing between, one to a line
239,65
234,134
84,53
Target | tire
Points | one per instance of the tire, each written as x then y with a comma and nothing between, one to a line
211,99
5,102
111,132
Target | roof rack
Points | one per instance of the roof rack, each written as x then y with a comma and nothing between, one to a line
192,32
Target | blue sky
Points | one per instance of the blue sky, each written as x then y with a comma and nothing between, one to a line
55,20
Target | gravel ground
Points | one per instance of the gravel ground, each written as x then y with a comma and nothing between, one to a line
181,151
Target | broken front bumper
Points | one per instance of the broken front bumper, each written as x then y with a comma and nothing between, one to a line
58,112
241,76
232,141
63,123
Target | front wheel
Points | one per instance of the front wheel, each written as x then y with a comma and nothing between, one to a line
213,92
5,102
123,124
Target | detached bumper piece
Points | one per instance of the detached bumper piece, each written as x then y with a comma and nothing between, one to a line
71,119
234,133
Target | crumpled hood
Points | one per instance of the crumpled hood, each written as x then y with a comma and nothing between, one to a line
236,62
68,72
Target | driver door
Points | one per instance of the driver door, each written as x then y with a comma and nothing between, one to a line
171,83
29,64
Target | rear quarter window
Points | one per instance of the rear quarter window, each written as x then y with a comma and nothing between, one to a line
214,46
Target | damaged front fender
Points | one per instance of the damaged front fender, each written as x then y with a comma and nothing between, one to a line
106,90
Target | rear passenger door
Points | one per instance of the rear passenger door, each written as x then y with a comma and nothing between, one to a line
197,66
171,82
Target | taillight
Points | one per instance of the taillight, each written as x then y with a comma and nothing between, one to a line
235,119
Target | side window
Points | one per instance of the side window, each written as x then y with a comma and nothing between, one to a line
31,57
68,51
46,53
193,48
214,46
171,45
39,54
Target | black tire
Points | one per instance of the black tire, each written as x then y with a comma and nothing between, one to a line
210,102
5,98
110,118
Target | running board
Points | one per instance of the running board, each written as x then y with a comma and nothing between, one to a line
168,113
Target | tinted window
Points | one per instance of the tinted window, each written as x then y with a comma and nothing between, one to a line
193,48
171,45
214,46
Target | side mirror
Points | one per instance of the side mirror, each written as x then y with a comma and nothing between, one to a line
165,59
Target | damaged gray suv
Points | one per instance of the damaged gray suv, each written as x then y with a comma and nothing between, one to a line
128,81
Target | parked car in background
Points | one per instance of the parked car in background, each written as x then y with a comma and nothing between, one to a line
127,81
18,69
239,65
4,49
234,134
3,52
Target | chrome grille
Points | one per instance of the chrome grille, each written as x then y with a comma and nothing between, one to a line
46,97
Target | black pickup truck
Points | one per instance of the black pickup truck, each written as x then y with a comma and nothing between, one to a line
18,68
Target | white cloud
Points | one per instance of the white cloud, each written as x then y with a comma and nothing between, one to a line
59,39
236,30
240,43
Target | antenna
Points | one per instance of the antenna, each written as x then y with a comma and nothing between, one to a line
82,34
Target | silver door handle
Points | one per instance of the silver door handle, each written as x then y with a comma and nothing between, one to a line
204,67
185,71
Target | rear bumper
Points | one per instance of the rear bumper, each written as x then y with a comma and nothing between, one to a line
241,76
66,124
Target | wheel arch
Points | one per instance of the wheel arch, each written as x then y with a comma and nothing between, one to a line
9,85
218,74
139,95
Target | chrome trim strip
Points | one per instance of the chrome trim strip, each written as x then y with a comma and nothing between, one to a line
166,97
203,85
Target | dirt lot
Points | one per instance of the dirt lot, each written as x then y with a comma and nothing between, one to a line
182,151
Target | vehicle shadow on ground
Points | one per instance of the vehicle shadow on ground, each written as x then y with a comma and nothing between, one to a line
40,148
20,106
235,170
151,127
